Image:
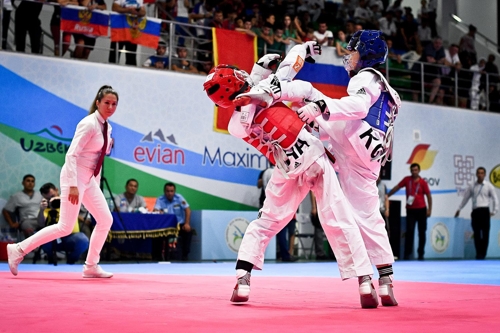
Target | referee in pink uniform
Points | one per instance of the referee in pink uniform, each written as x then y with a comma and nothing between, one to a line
79,182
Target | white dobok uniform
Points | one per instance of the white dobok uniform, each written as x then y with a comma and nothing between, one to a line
301,165
359,130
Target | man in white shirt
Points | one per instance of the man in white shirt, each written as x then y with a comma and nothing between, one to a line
483,195
323,35
387,24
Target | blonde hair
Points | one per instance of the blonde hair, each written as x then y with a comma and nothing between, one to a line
103,91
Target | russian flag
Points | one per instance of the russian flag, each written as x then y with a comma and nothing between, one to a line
83,21
330,79
138,30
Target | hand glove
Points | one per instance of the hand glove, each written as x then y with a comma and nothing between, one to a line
310,111
312,49
269,61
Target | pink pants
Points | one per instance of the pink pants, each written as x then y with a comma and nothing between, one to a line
92,197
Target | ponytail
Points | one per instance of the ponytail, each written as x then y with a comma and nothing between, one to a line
103,91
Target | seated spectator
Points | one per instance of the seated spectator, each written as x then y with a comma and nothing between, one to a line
85,43
410,32
181,63
341,44
174,203
362,14
206,67
310,35
132,7
432,55
129,201
160,59
74,244
452,61
323,35
25,204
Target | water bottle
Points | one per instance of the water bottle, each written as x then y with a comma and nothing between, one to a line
123,205
111,205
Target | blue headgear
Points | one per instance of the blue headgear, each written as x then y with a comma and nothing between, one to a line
371,46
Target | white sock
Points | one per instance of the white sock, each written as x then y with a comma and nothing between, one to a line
240,273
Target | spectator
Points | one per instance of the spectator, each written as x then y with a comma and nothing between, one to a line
492,69
387,24
477,96
27,21
132,7
55,24
160,59
201,15
313,7
341,44
130,201
344,12
483,198
183,8
494,98
280,42
7,10
230,22
247,27
423,11
206,67
181,63
396,6
290,32
25,204
85,43
174,203
323,35
416,209
362,14
74,244
424,33
319,234
310,35
271,19
265,38
433,55
467,43
349,30
384,203
218,20
409,29
452,61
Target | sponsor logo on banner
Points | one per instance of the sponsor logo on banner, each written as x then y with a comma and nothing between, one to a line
440,237
423,156
495,176
158,154
34,142
234,233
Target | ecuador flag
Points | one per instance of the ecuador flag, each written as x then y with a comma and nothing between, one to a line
236,49
138,30
83,21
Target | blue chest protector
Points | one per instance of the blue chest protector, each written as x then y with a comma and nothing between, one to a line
379,113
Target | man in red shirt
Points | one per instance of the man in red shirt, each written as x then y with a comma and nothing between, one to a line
416,209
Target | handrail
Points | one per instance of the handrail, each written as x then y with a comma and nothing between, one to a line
459,21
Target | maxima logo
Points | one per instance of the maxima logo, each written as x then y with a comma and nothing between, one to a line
423,156
234,233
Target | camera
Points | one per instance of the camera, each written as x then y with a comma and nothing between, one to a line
55,203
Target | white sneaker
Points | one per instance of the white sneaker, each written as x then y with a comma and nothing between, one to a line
367,294
15,257
386,292
241,292
95,271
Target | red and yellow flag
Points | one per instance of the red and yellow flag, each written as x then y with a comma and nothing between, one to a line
236,49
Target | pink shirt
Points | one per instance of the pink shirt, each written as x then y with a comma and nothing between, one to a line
85,148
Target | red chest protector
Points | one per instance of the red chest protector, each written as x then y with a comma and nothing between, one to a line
281,123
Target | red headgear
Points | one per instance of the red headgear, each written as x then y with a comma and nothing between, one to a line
224,83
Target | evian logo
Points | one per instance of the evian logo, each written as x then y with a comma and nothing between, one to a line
158,154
